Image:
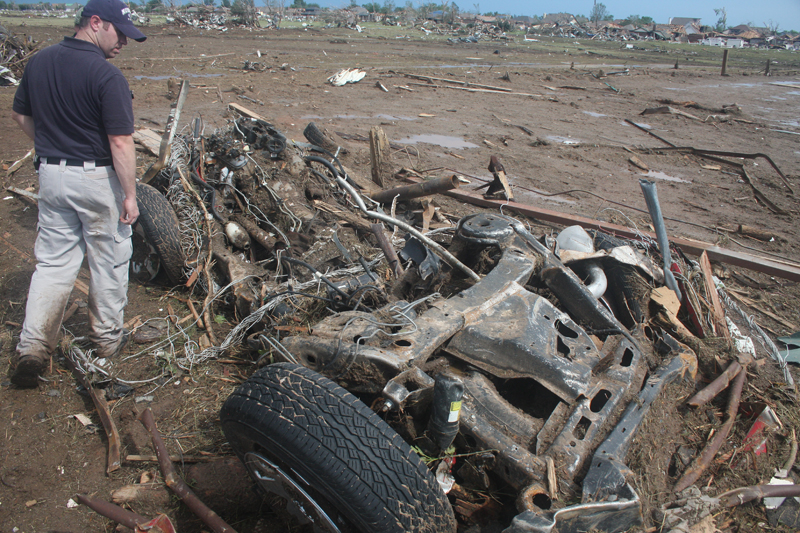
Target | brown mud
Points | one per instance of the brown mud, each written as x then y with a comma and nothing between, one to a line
576,160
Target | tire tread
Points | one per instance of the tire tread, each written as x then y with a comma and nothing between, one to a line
364,462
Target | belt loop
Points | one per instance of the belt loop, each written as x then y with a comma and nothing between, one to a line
89,166
62,165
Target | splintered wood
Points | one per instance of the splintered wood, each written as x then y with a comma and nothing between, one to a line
378,155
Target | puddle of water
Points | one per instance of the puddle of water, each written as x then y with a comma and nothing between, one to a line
593,114
456,143
348,117
716,86
666,177
563,140
158,78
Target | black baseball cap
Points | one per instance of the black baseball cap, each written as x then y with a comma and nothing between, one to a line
117,13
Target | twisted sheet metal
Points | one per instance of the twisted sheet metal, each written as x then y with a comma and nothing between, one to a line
192,357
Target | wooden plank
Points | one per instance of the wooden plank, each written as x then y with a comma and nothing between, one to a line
242,110
169,132
772,267
148,138
459,82
717,313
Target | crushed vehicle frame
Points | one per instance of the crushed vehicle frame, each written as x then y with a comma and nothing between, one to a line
591,385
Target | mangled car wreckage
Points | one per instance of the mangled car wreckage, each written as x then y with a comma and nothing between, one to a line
496,376
521,389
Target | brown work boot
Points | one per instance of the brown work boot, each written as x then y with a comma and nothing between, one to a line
26,369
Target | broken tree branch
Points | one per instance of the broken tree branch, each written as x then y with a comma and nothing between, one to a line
176,484
757,492
787,467
133,458
632,123
112,511
102,410
699,466
207,319
417,190
388,250
719,384
259,235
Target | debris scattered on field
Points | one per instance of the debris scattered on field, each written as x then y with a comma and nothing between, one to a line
268,226
14,55
348,75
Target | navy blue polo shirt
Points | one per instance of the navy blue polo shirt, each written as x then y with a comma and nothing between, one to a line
76,98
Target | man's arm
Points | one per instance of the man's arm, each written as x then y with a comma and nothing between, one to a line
25,122
123,153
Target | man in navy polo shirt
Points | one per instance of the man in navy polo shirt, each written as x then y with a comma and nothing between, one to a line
77,108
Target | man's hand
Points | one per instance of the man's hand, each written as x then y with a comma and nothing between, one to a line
130,211
124,154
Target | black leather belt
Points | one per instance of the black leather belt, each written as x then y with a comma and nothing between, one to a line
107,162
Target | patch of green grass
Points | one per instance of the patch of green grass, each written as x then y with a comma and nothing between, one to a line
21,18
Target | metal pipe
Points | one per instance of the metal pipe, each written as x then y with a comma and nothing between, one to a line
651,198
447,256
597,282
417,190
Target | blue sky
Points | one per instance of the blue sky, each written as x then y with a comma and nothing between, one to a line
786,13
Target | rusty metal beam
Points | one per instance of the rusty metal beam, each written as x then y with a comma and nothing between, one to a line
781,269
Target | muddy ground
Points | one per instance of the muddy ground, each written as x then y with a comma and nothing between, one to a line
577,144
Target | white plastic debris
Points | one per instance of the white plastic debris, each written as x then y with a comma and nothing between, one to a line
348,75
444,477
72,504
7,77
83,419
774,503
742,342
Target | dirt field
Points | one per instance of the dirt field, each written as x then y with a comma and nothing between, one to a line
573,157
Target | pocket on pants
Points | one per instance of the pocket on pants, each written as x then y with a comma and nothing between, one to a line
124,231
123,244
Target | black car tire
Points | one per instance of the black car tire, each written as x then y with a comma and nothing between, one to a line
160,226
342,454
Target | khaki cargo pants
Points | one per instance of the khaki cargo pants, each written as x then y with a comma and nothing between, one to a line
79,209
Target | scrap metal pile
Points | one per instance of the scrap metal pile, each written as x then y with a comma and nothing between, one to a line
518,365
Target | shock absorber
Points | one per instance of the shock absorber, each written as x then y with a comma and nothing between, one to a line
445,410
